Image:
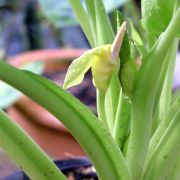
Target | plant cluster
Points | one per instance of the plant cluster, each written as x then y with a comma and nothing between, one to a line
136,132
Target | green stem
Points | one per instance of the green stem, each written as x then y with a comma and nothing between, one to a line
77,118
122,121
111,100
101,107
24,151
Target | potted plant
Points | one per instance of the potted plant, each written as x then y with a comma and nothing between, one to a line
137,130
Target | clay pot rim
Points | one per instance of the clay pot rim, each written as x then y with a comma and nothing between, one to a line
48,56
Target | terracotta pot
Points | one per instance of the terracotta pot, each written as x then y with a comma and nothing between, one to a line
44,128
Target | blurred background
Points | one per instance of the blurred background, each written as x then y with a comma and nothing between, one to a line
44,37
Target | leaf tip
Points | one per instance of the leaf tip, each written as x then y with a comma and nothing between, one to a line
115,48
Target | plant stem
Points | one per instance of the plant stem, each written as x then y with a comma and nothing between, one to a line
79,120
27,155
111,100
122,120
100,107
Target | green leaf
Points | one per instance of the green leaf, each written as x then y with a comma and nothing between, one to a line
25,152
77,69
135,37
59,12
111,99
104,31
171,113
165,153
125,47
144,97
9,95
99,59
76,117
90,5
128,76
122,121
83,19
167,74
156,15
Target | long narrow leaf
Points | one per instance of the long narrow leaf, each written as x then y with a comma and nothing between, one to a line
122,121
162,126
24,151
144,98
165,153
90,5
103,28
167,66
83,19
166,93
79,120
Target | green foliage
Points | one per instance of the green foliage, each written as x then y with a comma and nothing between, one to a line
135,135
8,94
76,117
128,77
156,15
20,147
59,12
99,60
